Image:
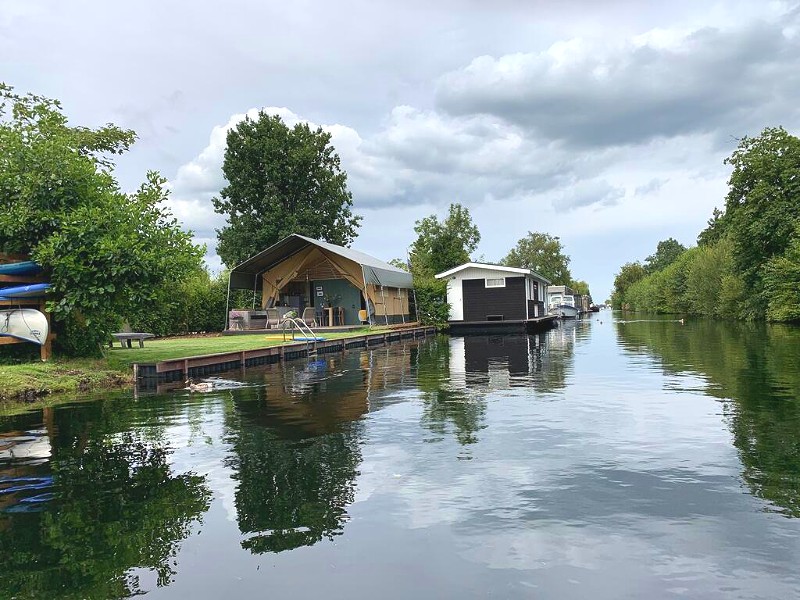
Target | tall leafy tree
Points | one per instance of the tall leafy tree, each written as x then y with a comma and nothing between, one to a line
580,287
110,255
442,245
544,254
782,282
667,252
628,274
281,181
761,207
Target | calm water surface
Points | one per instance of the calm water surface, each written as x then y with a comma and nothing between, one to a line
603,459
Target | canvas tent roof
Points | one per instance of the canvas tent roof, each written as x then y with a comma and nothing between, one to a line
247,275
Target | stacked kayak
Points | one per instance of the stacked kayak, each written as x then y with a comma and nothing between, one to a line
34,290
24,324
25,267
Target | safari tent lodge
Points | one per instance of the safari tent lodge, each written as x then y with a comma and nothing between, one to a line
325,285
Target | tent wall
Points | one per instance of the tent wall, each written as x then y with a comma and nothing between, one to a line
389,302
311,263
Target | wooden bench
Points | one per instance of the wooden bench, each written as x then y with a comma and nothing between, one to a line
126,338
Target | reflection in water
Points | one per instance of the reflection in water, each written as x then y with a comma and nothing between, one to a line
598,467
756,368
111,503
456,373
296,444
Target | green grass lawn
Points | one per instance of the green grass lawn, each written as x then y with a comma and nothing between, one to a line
28,382
182,347
35,384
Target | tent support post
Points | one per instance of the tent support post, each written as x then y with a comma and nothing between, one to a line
366,297
227,304
383,295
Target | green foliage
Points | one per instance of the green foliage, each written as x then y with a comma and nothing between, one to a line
281,181
782,282
580,287
663,291
432,306
115,258
666,253
109,255
629,274
704,279
197,304
543,254
762,207
746,263
440,246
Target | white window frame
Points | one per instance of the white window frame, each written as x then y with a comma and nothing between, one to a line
488,279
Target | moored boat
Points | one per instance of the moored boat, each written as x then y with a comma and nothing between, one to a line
24,324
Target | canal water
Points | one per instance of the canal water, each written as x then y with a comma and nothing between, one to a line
613,457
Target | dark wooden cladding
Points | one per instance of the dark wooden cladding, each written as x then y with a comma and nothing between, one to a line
487,304
532,309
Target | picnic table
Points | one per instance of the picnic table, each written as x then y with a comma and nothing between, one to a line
125,339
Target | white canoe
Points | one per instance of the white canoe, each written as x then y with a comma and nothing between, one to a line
24,324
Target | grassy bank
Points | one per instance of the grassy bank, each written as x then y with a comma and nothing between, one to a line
35,384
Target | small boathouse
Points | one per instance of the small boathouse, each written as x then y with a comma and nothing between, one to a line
486,297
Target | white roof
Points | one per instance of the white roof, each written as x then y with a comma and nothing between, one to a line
472,265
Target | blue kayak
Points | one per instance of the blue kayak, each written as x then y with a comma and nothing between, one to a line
26,267
34,290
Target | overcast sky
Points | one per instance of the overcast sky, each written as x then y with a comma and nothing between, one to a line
605,123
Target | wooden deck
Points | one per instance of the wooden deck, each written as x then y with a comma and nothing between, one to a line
149,375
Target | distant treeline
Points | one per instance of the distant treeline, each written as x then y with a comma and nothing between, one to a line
747,261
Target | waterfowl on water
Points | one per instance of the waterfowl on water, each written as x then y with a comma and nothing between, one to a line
199,386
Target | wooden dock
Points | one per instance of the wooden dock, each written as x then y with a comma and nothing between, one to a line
149,375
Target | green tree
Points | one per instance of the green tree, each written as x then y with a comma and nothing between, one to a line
782,282
667,252
443,245
542,253
439,246
628,274
762,206
109,255
281,181
715,230
581,287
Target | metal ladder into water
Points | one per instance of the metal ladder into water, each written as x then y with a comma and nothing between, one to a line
308,333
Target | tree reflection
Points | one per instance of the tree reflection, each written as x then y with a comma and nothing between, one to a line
296,449
756,368
456,374
116,505
446,405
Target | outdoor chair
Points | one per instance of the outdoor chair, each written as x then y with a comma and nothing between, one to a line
363,317
309,316
272,318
